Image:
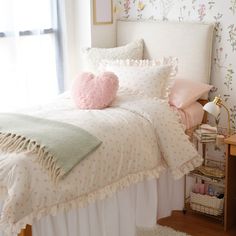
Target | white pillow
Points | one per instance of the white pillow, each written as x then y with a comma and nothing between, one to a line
148,77
93,56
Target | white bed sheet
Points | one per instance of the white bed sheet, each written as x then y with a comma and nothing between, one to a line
140,204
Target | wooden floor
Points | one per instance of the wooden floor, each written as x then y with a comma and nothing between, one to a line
195,225
26,232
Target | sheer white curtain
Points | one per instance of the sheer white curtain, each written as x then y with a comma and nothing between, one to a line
67,10
28,52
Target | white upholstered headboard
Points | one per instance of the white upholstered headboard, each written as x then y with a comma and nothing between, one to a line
191,43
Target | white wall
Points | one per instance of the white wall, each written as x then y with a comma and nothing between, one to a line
68,21
103,35
88,34
82,33
83,30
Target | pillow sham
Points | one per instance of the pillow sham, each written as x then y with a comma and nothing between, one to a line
185,91
149,77
93,56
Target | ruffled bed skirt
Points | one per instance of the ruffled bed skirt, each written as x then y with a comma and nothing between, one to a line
138,205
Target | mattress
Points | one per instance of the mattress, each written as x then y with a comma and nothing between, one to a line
192,115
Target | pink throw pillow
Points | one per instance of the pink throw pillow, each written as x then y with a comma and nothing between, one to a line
95,92
185,91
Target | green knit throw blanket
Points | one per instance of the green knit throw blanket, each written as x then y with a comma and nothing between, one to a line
58,146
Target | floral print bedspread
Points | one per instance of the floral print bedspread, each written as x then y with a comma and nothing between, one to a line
141,138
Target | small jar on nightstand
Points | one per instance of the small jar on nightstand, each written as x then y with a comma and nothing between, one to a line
230,191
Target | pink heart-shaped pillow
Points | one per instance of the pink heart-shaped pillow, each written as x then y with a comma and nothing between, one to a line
94,92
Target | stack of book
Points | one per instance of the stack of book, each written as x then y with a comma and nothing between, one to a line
206,133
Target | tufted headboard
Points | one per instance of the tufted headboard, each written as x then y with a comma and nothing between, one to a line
191,43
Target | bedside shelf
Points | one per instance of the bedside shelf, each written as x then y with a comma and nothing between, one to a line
227,184
220,182
205,176
219,218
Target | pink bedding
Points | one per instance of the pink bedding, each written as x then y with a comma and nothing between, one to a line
192,115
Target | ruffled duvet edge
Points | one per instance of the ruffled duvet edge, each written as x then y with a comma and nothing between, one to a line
81,201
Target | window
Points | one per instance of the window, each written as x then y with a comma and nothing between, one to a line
30,56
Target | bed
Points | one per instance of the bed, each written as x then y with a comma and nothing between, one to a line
143,200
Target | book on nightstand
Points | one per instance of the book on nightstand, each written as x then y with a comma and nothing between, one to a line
206,133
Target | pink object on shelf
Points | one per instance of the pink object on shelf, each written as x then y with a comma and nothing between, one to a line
196,188
202,188
199,188
94,92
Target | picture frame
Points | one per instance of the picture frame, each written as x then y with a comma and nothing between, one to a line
102,12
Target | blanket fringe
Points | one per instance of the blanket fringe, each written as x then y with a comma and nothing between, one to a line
81,201
16,143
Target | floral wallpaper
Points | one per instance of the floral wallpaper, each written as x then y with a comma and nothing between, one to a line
222,12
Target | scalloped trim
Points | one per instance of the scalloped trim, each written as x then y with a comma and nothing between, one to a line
164,61
187,167
190,165
81,201
179,118
167,88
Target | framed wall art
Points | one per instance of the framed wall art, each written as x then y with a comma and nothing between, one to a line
102,12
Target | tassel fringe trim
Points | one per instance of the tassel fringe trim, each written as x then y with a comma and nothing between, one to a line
10,143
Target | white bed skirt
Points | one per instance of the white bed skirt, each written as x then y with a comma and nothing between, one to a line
139,205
